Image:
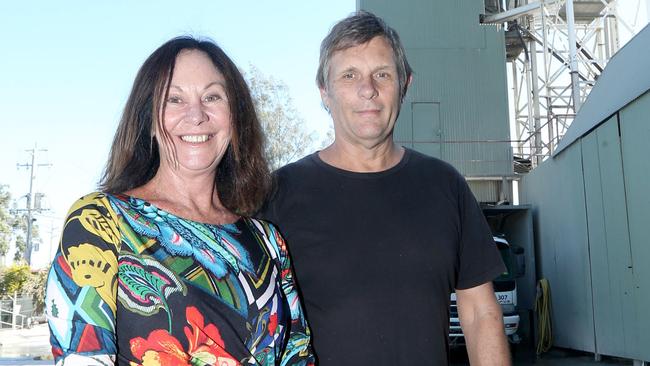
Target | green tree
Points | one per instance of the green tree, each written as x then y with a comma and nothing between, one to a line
20,279
35,285
14,278
287,139
5,220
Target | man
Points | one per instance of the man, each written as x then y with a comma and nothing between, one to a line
380,234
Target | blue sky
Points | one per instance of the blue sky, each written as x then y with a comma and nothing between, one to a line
67,68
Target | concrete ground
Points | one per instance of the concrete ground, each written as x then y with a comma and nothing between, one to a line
555,357
26,346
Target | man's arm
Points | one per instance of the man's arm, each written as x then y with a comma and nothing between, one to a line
482,323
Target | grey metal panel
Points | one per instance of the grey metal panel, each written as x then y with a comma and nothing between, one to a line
426,122
432,24
403,130
635,135
600,272
422,130
459,64
485,191
426,128
612,287
626,76
617,232
473,117
562,245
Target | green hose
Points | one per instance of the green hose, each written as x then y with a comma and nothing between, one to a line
543,309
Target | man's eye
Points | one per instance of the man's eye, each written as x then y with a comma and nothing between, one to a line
383,75
348,76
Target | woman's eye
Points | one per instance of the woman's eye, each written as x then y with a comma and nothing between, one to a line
174,100
212,98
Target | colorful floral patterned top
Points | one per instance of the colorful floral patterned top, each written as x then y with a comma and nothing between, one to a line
135,285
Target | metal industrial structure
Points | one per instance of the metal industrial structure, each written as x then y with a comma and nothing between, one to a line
556,50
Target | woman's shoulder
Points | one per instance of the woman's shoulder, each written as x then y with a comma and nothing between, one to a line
263,226
92,200
94,214
270,234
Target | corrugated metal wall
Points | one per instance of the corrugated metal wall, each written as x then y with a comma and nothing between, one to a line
456,108
556,191
635,135
593,228
609,241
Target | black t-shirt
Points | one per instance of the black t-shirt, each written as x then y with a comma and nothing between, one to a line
376,256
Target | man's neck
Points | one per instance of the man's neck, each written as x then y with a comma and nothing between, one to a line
362,159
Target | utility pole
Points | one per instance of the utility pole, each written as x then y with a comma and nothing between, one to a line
30,208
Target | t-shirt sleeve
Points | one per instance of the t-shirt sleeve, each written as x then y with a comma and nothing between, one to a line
82,285
270,209
479,260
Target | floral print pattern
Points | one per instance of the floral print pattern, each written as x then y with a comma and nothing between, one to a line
133,285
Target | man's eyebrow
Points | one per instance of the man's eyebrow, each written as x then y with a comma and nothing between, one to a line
378,68
348,69
383,67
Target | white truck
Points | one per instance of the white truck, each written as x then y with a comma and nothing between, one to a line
505,289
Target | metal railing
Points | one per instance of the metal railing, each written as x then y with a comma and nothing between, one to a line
12,314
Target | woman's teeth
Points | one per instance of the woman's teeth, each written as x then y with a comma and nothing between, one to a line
195,138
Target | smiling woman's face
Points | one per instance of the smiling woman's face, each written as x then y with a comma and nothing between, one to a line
196,116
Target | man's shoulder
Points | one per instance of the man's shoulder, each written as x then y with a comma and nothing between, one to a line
288,183
305,165
285,178
432,165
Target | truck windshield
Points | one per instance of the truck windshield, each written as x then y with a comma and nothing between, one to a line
506,255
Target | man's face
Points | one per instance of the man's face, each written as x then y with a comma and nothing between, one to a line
362,93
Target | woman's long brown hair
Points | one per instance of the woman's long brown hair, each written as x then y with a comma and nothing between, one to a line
242,178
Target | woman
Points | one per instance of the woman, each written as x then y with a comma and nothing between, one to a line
165,266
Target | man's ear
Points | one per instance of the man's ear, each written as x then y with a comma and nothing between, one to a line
408,85
324,97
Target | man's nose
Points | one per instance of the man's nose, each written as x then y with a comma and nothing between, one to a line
196,113
367,88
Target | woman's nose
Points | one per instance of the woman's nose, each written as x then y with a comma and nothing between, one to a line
196,114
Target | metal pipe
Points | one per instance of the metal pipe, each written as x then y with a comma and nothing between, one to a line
573,58
515,94
536,131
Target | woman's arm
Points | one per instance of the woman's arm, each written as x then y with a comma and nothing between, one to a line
298,349
82,285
